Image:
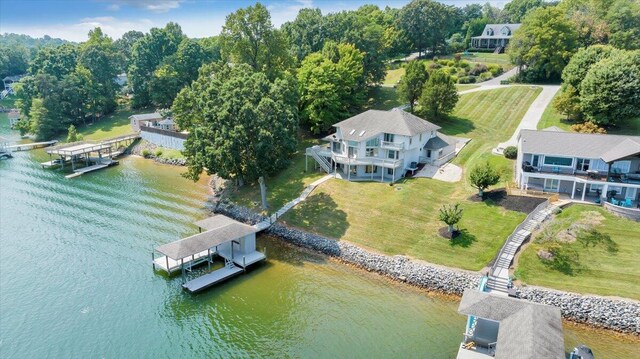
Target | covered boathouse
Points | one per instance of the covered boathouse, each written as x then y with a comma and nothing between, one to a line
221,236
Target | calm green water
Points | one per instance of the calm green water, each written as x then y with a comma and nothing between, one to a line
76,281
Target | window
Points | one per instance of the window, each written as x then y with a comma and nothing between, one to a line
429,153
558,161
352,151
421,138
582,164
388,137
336,147
392,154
371,152
374,142
535,161
506,31
353,170
390,171
621,167
490,32
410,138
551,185
370,169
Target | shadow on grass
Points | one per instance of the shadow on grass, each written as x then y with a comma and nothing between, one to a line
383,98
565,260
454,125
320,214
464,239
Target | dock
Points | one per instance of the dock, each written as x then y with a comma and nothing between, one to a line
31,146
220,237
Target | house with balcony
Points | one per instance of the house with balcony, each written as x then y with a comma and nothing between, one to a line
494,37
382,146
597,168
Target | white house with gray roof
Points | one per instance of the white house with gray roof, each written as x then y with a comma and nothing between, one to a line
494,36
382,145
589,167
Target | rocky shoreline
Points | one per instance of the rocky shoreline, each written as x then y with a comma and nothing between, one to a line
142,146
614,314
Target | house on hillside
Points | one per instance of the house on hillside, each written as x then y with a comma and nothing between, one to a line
588,167
494,37
503,327
145,119
9,81
382,145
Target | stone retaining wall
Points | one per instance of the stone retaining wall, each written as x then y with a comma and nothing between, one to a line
614,314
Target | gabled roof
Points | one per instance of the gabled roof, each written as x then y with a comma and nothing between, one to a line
146,116
375,122
497,31
166,122
585,145
527,330
214,222
439,141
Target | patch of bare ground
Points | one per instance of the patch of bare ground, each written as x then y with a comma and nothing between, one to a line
499,197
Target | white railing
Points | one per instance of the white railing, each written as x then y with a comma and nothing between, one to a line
322,161
392,145
376,161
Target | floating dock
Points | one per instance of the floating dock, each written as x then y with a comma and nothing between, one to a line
31,146
222,237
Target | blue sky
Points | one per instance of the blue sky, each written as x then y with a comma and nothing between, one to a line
72,19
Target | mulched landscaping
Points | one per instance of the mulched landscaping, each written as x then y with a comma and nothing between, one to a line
444,232
500,197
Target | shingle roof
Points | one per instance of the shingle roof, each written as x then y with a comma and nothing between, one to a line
497,28
573,144
527,330
147,116
439,141
166,122
375,122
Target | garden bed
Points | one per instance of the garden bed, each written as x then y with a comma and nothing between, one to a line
500,197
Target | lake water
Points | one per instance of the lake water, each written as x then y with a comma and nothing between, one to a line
76,281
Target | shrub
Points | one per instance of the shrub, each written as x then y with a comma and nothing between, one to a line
485,76
511,152
434,66
443,62
478,69
588,127
451,63
146,153
457,57
464,64
467,80
435,59
495,69
158,152
454,78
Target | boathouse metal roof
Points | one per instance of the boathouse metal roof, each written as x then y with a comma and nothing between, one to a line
526,331
224,229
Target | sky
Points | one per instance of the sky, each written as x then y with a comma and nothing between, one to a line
72,19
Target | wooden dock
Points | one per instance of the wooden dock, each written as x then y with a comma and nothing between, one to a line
31,146
83,170
170,265
211,279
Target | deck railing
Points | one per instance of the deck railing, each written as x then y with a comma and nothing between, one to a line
392,145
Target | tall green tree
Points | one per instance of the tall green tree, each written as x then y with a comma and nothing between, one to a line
248,37
412,83
428,24
305,34
482,176
147,53
543,45
624,19
515,10
56,61
242,125
43,125
331,85
439,95
124,46
14,60
98,57
610,92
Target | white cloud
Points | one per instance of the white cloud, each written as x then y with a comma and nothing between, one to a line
157,6
282,12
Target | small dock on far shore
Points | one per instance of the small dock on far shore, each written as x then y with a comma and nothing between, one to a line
222,237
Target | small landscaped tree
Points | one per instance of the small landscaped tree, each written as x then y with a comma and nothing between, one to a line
482,176
450,215
410,87
439,95
73,134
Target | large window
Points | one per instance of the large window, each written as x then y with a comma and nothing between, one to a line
558,161
374,142
372,152
582,164
370,169
388,137
551,185
337,147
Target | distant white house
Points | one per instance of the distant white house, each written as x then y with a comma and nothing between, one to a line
158,130
382,145
121,79
494,36
145,119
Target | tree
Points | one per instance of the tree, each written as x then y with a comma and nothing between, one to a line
124,46
588,18
567,102
624,19
543,45
482,176
72,134
42,125
475,28
427,24
450,215
14,60
581,62
331,85
457,43
515,10
56,61
249,37
439,95
241,125
412,83
610,92
306,33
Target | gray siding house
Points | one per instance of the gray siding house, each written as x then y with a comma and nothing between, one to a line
382,145
494,36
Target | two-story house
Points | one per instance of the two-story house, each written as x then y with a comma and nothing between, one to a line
587,167
494,36
382,145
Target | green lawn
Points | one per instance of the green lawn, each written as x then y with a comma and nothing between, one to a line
383,98
405,220
114,125
604,270
462,87
393,76
551,117
284,186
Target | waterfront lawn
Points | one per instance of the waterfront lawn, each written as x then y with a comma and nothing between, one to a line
284,186
602,270
405,221
114,125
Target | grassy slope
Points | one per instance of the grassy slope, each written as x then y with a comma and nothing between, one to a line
462,87
406,221
284,186
116,124
603,273
383,98
393,76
